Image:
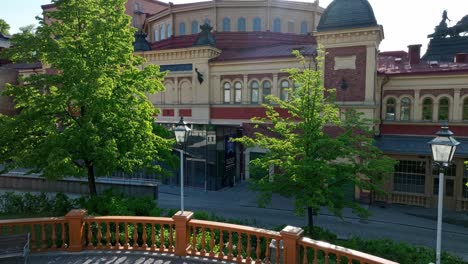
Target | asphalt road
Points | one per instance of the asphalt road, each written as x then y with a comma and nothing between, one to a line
394,222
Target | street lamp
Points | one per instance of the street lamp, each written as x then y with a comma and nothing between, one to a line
443,149
181,134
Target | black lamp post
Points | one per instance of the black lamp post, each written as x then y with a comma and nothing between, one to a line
443,149
181,133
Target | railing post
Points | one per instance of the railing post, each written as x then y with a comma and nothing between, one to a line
75,224
291,236
182,232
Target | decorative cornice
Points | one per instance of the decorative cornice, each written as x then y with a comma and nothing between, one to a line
348,36
200,52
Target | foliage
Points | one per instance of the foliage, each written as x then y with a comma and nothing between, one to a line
400,252
310,165
30,205
28,29
4,27
89,113
110,203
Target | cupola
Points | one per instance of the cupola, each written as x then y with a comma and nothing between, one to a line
347,14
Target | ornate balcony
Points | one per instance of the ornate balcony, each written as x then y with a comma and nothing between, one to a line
180,236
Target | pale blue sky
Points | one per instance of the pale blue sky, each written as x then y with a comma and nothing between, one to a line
405,21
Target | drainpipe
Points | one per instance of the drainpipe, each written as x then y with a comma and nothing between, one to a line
385,80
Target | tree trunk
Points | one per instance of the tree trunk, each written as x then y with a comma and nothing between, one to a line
310,220
91,179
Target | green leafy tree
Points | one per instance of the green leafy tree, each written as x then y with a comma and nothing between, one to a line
89,114
4,27
305,162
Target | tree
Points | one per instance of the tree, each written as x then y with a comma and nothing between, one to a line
89,114
28,29
4,27
305,162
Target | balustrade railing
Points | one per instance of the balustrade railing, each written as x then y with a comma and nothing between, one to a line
181,235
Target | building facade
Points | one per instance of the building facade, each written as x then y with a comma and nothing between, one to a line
224,56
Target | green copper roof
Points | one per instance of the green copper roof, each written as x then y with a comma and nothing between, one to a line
343,14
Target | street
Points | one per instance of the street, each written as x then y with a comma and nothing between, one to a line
401,223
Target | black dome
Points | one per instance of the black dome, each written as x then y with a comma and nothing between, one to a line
343,14
140,43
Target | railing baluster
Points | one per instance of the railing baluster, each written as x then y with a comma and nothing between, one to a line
53,237
64,242
221,245
304,257
239,246
203,242
127,244
277,252
258,251
248,249
153,239
108,235
117,235
161,237
99,235
144,245
135,236
194,241
316,252
267,250
171,238
327,257
33,243
212,242
44,236
229,256
90,235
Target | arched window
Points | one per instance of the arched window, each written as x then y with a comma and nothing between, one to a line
284,90
277,25
162,30
427,109
257,24
465,109
266,90
254,92
226,24
405,109
182,29
227,93
207,21
304,29
390,109
237,92
444,109
169,30
241,24
194,27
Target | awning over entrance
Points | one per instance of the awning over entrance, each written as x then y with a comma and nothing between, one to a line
414,145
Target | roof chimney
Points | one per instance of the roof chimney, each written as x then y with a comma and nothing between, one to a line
414,54
461,58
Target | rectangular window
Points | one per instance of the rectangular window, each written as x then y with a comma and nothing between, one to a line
450,174
409,176
238,96
227,96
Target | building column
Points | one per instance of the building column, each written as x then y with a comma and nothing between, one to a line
274,88
245,90
268,17
457,107
417,114
176,94
435,111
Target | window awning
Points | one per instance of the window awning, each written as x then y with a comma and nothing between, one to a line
414,145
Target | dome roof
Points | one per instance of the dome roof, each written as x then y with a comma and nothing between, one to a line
343,14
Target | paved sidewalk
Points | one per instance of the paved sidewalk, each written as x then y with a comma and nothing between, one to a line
414,225
108,257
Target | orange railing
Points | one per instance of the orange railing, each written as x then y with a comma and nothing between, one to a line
181,235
